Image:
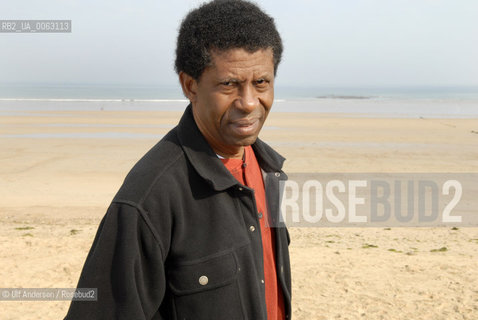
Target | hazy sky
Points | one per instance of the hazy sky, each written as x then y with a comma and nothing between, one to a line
327,42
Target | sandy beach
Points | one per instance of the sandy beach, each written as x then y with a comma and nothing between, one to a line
59,171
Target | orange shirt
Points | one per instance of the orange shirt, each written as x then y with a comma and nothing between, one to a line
250,175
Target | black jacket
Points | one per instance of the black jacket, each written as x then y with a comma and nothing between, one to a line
181,216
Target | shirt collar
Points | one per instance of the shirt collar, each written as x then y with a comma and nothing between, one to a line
205,161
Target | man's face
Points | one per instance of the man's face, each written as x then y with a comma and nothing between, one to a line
233,98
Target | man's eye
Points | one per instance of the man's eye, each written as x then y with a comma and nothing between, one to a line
261,82
227,83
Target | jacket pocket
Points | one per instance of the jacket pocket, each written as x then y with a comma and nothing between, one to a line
206,288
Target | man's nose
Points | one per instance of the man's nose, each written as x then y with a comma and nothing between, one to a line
249,99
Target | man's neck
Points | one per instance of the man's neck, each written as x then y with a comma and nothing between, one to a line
231,154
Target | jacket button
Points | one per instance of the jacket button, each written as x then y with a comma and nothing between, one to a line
240,188
277,174
252,228
203,280
262,281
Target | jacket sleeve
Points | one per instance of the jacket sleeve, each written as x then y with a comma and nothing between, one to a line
126,265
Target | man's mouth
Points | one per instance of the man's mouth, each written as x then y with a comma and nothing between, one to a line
245,126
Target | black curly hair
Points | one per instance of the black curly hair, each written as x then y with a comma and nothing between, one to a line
223,25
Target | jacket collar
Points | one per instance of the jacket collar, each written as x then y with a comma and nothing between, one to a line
208,165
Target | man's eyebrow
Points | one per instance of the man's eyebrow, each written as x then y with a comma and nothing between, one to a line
229,79
265,76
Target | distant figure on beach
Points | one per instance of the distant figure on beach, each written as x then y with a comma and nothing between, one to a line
194,231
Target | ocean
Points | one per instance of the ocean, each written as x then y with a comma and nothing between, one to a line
401,102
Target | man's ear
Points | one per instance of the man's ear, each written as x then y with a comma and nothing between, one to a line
189,86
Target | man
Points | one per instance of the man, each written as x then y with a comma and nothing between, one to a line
194,233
